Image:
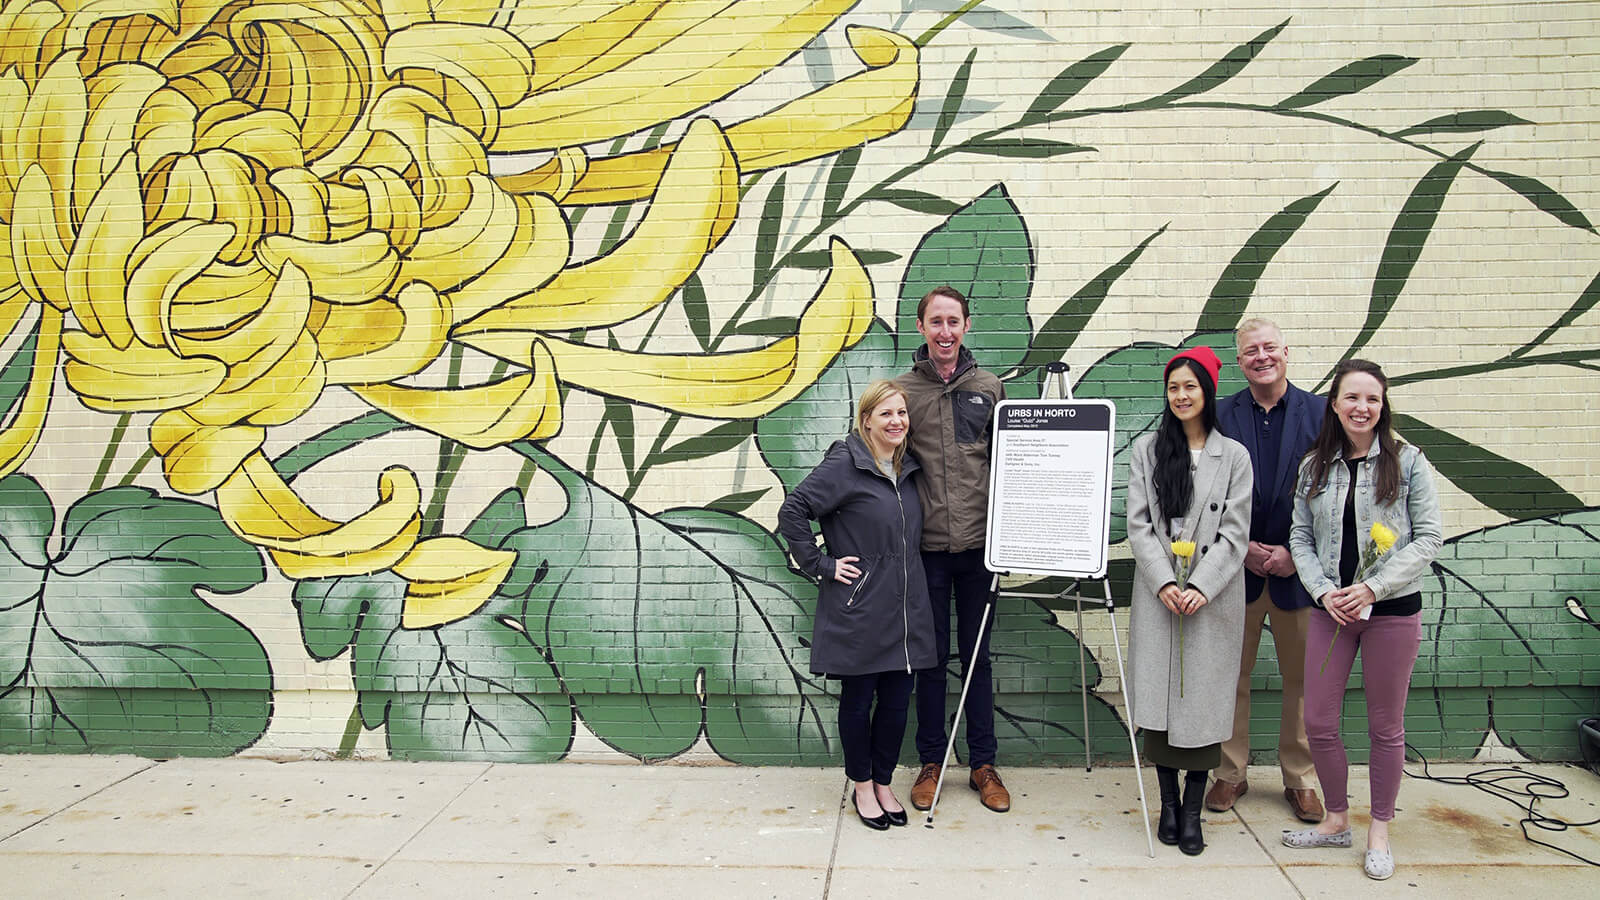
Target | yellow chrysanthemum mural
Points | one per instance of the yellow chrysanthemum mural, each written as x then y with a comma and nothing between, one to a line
214,211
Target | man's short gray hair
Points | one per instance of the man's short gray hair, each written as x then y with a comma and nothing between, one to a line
1254,323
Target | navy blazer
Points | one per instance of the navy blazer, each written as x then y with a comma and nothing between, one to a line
1272,505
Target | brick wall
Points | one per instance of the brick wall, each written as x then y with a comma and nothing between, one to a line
381,384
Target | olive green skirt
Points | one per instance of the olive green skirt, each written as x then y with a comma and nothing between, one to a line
1195,759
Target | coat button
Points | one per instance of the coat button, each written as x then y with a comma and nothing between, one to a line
1213,507
1204,549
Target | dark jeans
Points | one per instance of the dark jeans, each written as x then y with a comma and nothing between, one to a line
964,574
871,739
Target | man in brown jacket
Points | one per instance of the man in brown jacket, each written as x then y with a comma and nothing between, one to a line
951,401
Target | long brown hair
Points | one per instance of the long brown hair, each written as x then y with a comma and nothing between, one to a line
871,398
1331,440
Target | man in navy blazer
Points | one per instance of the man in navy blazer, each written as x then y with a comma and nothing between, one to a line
1277,422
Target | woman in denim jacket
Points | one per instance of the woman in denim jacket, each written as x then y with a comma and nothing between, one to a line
1378,541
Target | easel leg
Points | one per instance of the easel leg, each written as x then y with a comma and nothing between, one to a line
1083,683
1133,744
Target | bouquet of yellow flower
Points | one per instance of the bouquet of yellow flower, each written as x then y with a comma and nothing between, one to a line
1184,552
1382,541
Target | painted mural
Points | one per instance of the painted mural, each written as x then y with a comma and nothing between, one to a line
420,379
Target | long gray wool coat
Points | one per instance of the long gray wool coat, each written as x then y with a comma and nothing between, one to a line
1218,521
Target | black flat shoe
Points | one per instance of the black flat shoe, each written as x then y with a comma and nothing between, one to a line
896,818
876,823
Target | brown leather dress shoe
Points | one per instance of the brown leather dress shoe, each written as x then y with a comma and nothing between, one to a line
991,792
1223,794
1304,803
922,789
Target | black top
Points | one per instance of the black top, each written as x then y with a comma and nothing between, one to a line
1350,556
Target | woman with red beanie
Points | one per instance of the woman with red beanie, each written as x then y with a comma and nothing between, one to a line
1188,526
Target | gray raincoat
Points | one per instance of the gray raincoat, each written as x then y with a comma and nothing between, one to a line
882,622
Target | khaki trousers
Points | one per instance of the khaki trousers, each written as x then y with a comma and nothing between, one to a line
1289,630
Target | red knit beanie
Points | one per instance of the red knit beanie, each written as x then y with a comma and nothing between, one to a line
1202,355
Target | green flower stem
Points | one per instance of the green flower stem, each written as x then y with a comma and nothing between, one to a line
352,733
926,37
139,464
112,446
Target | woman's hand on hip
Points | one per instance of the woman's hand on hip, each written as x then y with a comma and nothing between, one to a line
843,570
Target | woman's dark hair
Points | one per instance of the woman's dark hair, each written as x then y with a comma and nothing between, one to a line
1174,480
1331,440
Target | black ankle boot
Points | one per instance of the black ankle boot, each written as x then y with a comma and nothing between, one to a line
1190,841
1167,825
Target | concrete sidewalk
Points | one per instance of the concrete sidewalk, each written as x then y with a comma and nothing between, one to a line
90,827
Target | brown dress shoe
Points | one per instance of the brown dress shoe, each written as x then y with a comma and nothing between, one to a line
1222,795
922,789
1304,803
991,792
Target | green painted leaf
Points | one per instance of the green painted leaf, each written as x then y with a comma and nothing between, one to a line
763,707
110,647
916,201
1464,123
822,260
1585,302
1504,485
767,229
697,310
1070,82
477,688
1218,72
794,436
633,654
775,327
1038,702
1544,197
14,376
839,174
984,251
1232,293
1500,615
720,439
504,514
952,101
1131,378
1058,333
738,501
1022,148
1348,79
1005,24
1406,239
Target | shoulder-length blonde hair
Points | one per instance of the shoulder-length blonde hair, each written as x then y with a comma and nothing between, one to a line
872,398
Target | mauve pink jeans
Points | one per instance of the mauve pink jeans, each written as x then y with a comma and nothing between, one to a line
1388,647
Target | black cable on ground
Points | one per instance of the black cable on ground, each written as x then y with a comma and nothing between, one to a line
1520,788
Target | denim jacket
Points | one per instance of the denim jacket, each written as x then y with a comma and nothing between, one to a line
1318,528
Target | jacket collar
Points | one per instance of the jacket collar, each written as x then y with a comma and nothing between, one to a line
862,456
923,363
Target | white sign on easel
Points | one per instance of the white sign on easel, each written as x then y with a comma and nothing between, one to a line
1050,487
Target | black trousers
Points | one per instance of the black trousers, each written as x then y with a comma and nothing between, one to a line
872,737
964,575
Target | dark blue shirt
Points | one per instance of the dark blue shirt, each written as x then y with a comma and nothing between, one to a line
1269,444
